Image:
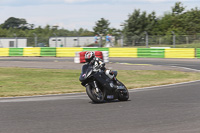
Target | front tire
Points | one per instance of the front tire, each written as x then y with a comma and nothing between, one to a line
123,95
93,95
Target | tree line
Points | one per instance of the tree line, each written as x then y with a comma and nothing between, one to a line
178,20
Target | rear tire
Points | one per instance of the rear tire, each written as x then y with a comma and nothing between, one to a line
93,95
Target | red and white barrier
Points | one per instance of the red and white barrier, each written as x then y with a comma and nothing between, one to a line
80,56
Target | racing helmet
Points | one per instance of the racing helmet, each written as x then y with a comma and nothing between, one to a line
89,56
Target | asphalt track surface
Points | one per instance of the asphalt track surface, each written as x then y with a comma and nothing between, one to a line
115,63
169,109
164,109
193,64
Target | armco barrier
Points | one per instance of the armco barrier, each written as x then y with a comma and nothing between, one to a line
48,51
31,52
151,53
95,49
4,51
16,51
123,52
179,53
198,52
107,52
67,52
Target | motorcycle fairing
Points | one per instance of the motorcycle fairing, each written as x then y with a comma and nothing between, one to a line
103,79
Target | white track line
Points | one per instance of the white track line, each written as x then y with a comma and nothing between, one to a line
160,86
187,68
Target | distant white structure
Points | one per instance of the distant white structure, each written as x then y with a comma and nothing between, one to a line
13,42
71,41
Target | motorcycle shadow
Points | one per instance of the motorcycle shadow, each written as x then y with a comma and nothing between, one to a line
109,101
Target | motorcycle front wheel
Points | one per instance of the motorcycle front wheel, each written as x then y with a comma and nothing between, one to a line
96,97
123,95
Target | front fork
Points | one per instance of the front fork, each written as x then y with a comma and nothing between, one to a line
96,87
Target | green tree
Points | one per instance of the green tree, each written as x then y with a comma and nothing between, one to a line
191,21
139,22
182,23
85,32
18,23
136,25
102,26
178,8
3,32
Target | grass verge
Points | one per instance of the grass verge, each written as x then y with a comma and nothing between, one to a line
28,82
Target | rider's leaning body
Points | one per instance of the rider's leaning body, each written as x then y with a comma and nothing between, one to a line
97,63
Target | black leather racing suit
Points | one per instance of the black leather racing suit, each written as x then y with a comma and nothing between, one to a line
97,63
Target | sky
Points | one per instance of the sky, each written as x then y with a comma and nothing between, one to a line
75,14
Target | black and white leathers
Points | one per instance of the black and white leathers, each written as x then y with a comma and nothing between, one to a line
99,64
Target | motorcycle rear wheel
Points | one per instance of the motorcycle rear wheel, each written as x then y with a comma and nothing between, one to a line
93,95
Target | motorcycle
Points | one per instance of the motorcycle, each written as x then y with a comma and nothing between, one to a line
99,87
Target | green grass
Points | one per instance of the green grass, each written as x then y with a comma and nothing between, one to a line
27,81
24,81
146,78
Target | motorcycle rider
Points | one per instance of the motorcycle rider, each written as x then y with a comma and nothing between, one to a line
91,59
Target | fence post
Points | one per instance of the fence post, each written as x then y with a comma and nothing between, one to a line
56,38
174,39
100,40
122,40
35,39
147,39
16,41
